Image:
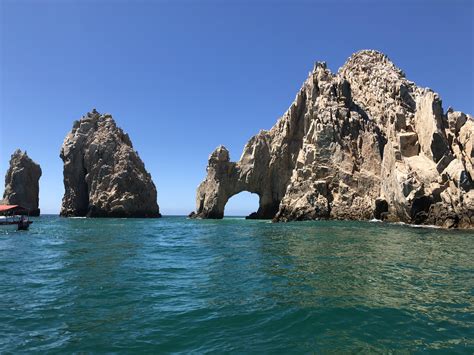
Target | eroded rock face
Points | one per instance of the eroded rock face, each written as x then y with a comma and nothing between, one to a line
362,142
22,183
103,174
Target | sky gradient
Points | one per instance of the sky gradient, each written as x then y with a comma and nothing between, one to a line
182,77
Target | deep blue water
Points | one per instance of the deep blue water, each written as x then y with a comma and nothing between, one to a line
235,285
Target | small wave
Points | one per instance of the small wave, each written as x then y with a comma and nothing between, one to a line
430,226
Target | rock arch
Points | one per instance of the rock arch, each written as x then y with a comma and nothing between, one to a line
361,142
226,179
265,167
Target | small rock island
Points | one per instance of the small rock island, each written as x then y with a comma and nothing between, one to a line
362,143
103,174
22,183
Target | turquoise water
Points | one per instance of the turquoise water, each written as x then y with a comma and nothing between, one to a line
235,285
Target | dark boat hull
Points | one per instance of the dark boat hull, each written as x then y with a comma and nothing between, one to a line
15,225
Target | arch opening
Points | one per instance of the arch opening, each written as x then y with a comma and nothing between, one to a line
243,204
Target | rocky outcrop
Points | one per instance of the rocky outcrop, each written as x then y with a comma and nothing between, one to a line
103,174
360,143
22,183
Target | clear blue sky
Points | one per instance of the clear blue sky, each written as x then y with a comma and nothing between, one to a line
182,77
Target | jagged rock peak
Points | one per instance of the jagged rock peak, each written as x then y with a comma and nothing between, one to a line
360,143
22,183
103,174
220,154
368,60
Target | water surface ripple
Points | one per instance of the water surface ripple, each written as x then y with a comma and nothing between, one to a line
178,285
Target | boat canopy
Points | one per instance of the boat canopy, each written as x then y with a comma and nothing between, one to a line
12,209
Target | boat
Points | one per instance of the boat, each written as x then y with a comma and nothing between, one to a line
14,217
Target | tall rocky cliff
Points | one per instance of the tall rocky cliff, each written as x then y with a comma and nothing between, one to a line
22,183
103,174
362,143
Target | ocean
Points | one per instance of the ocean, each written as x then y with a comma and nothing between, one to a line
174,285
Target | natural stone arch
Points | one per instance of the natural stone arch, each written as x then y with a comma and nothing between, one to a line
226,179
362,142
265,167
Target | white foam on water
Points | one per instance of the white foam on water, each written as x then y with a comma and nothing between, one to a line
430,226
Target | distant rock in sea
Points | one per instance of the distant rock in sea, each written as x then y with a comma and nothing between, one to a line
22,183
362,143
103,174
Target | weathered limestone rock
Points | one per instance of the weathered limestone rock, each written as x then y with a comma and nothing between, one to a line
103,175
409,144
429,123
22,183
362,142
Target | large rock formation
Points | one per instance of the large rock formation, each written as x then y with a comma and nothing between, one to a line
360,143
103,174
22,183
